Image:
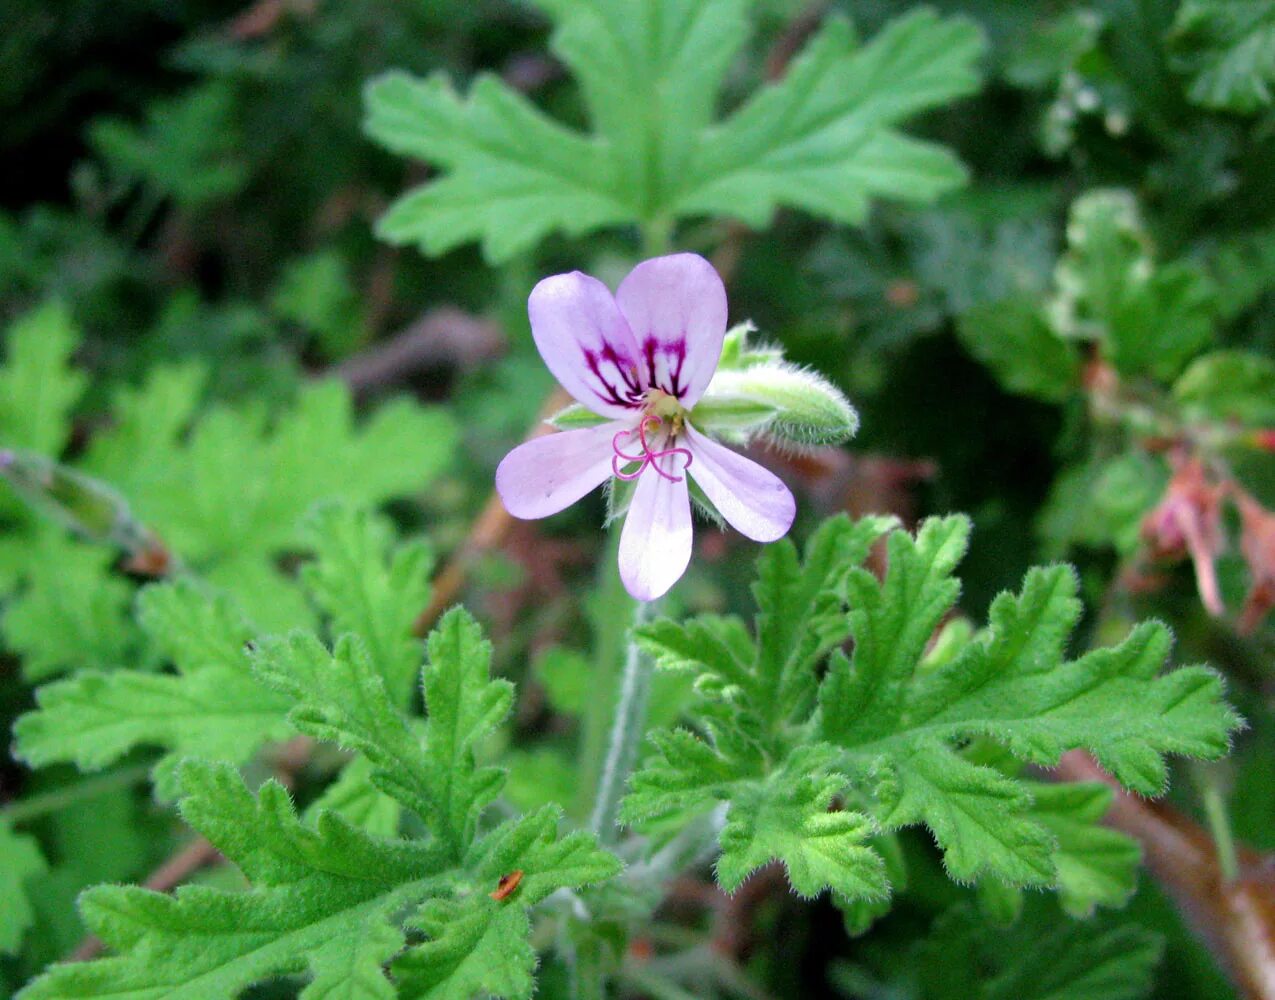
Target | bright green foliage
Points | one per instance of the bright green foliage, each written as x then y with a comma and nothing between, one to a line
1229,47
1012,685
20,860
1096,865
342,697
480,948
230,499
886,728
226,493
322,901
71,612
37,386
366,584
1012,339
1230,386
479,945
1148,318
824,139
758,697
1039,958
788,817
213,706
328,898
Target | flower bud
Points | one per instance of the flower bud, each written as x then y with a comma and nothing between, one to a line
776,400
84,505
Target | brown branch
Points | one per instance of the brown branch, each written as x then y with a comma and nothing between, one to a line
441,337
1236,917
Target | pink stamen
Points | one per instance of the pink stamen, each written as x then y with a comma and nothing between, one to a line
648,457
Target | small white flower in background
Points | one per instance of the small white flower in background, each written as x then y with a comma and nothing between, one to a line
638,363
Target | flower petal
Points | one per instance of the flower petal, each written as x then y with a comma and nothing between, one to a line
655,544
586,343
676,308
547,474
754,500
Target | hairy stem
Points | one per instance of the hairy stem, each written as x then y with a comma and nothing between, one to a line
627,728
588,980
1220,827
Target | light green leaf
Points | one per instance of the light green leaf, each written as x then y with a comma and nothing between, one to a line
1149,319
476,947
787,818
1230,385
823,140
93,719
367,586
340,697
1229,48
232,497
979,817
323,900
212,706
1097,866
683,772
71,612
899,723
20,860
465,705
37,387
355,797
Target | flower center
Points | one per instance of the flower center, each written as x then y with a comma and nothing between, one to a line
648,456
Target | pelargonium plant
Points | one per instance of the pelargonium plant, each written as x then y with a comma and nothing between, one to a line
641,361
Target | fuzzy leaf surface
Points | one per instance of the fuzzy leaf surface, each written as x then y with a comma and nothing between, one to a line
888,729
824,140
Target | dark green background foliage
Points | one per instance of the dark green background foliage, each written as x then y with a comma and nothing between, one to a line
1033,242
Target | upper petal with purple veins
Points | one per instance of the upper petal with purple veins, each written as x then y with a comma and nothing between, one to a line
585,341
676,310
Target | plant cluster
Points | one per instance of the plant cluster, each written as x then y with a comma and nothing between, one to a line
299,708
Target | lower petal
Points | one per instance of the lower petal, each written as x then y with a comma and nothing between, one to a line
550,473
655,544
754,501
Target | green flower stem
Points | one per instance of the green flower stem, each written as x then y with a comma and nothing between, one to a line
1220,826
56,799
657,236
627,728
588,978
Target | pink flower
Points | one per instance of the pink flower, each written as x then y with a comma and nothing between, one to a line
641,359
